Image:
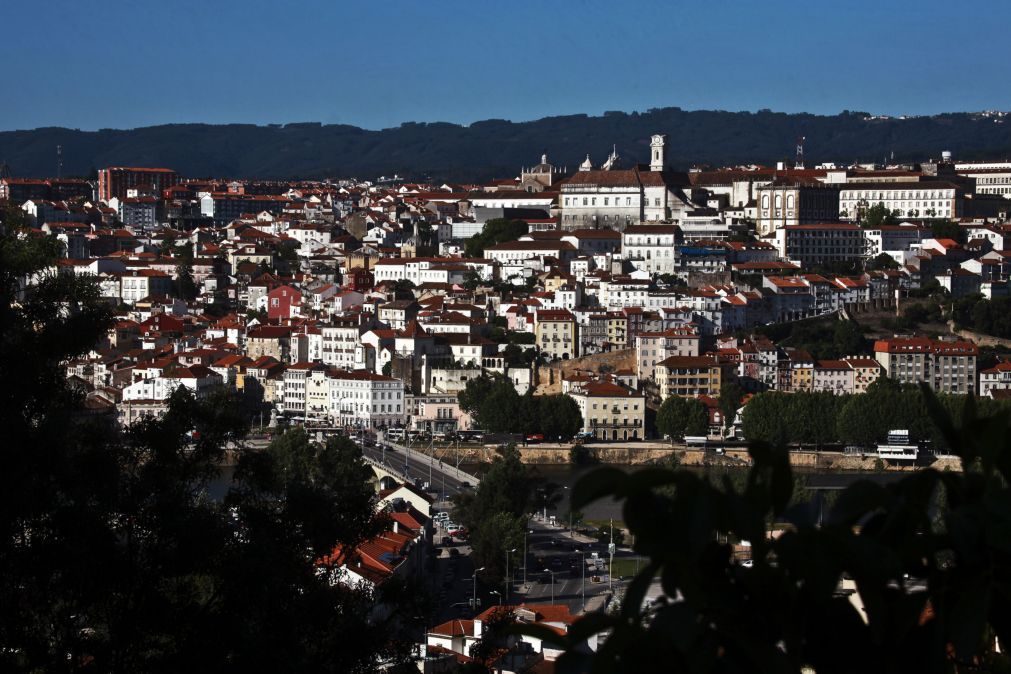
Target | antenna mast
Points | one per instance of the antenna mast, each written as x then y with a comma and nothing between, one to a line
59,161
799,161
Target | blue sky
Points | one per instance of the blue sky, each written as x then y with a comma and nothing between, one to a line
118,64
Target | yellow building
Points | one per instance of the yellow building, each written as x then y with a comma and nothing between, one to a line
617,330
689,376
555,332
865,372
801,370
611,411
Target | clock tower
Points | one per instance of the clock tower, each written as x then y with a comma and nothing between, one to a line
657,152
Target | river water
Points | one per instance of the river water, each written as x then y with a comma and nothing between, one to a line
566,476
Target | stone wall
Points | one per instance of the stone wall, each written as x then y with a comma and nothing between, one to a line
549,377
632,455
979,337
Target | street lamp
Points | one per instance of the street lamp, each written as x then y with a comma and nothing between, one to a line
552,584
582,554
525,534
508,579
497,594
569,499
473,596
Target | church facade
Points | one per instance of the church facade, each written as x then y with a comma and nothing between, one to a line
615,198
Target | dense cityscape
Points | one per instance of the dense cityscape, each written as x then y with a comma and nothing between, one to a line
458,337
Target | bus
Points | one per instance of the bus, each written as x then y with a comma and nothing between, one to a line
696,440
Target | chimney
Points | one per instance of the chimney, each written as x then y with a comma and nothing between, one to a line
396,527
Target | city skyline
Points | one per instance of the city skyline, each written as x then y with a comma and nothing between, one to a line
379,67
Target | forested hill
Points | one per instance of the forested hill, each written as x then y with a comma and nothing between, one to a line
497,148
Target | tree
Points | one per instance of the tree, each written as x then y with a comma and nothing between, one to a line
763,419
678,417
847,339
559,417
403,287
497,230
731,395
882,261
184,286
495,514
878,215
924,553
947,229
287,251
115,558
472,280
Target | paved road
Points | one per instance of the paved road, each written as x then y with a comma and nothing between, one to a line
560,569
445,481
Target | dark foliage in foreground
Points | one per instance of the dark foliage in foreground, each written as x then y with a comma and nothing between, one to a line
930,556
113,554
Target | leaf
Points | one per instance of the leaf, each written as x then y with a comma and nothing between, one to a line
967,620
542,632
637,589
942,420
782,481
590,624
646,479
596,484
858,500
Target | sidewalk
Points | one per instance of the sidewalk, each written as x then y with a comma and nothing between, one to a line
598,602
437,465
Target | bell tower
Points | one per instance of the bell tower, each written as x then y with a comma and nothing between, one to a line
657,152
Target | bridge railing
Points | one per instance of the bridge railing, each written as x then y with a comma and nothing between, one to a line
439,466
399,474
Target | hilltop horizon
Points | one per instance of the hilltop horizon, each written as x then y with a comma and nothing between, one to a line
498,147
515,120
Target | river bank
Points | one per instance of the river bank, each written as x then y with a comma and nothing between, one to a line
643,454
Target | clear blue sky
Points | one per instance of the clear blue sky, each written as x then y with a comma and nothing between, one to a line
121,64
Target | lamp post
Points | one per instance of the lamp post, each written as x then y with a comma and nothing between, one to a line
552,584
497,594
610,556
473,596
508,579
582,591
525,534
569,500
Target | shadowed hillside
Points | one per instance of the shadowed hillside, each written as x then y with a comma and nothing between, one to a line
496,148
